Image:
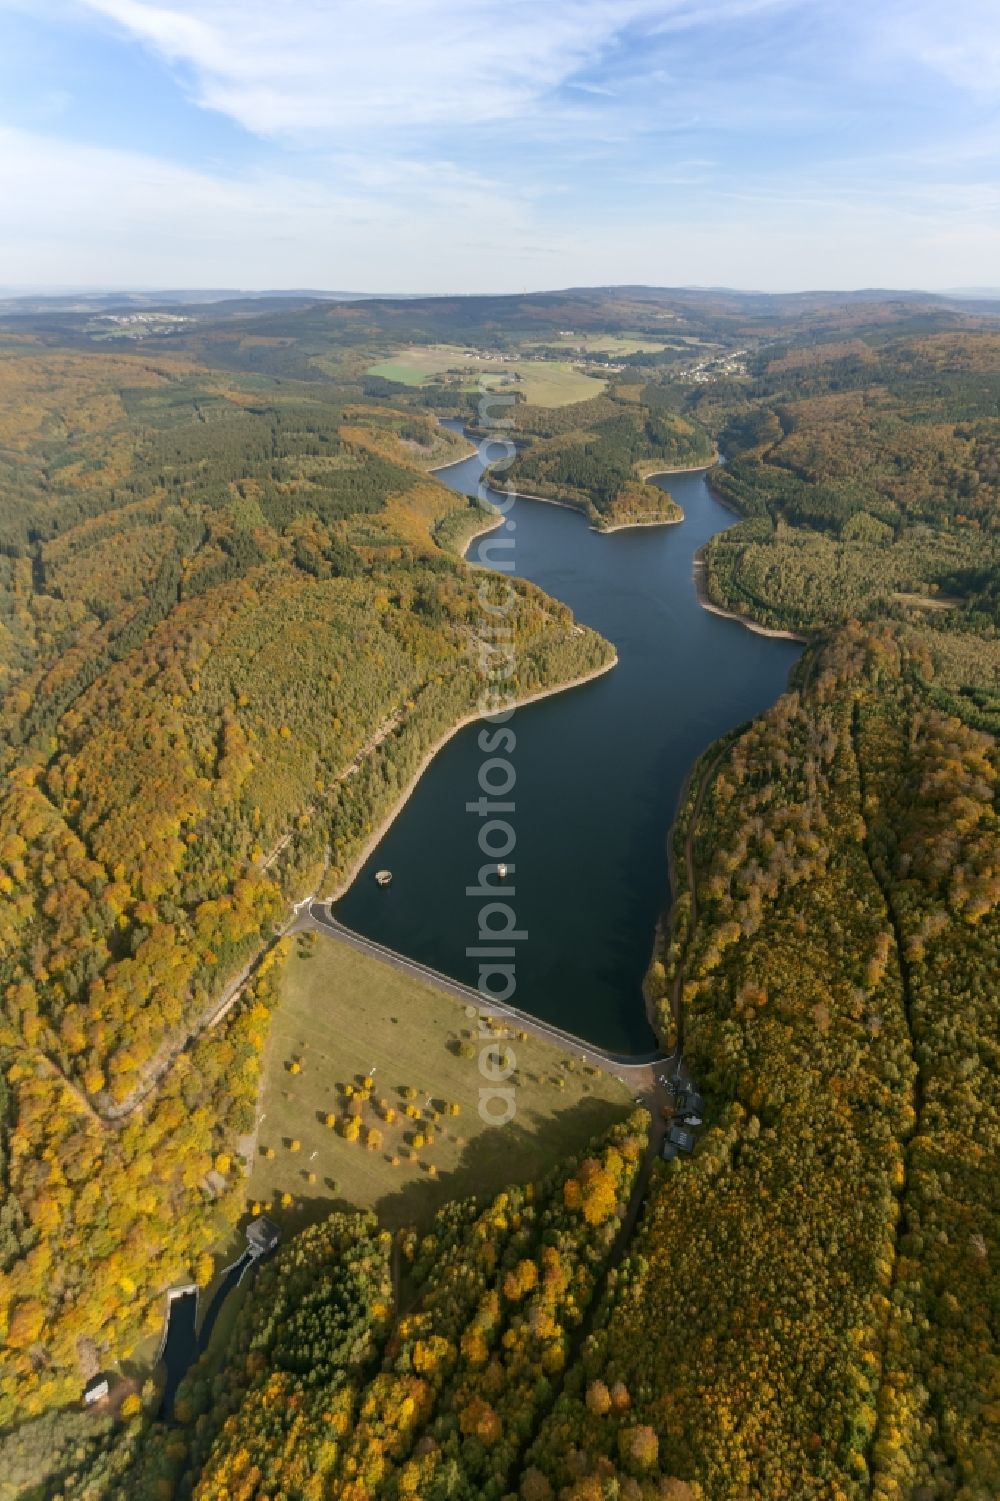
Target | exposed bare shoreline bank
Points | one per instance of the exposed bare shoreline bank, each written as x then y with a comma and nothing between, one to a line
699,581
481,531
699,562
625,526
699,569
463,458
744,620
628,526
377,834
545,500
568,505
683,468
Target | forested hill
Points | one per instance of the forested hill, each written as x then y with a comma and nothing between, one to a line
825,1271
332,1388
231,626
299,331
693,311
230,630
871,472
593,454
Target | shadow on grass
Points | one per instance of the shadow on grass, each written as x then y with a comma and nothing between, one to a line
498,1157
513,1153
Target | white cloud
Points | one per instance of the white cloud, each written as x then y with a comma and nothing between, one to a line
476,145
89,215
959,41
326,65
86,216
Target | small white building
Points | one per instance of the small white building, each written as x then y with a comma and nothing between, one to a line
96,1390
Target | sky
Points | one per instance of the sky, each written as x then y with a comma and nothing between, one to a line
499,145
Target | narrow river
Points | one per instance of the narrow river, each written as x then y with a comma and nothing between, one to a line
599,772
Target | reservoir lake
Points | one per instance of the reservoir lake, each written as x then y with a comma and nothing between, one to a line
600,770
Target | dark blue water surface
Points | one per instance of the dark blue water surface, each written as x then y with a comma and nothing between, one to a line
185,1341
599,772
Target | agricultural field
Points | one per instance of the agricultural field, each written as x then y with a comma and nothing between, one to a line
550,383
402,368
553,383
343,1017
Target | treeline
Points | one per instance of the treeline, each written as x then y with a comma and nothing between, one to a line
792,577
592,454
233,653
872,471
115,1214
806,1308
331,1387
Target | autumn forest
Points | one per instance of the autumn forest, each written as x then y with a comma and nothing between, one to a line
234,620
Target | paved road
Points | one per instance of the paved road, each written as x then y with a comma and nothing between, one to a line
647,1076
651,1077
641,1073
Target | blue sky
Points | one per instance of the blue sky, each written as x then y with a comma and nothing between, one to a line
496,145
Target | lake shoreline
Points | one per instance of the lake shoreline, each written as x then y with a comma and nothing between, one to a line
378,834
746,621
462,459
481,531
624,526
724,500
684,469
619,583
628,526
569,505
701,591
545,500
